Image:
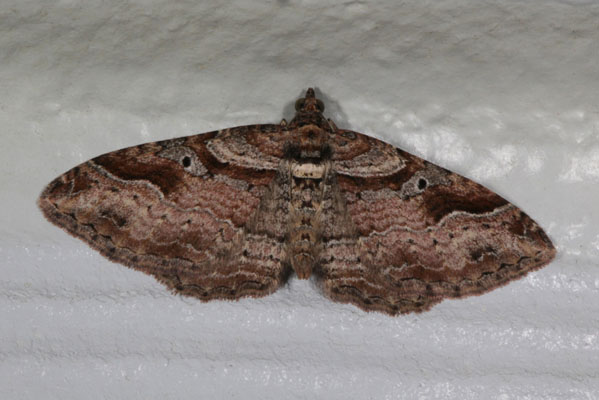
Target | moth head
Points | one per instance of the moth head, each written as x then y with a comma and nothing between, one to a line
309,111
309,103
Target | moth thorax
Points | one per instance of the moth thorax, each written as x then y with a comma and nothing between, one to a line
311,141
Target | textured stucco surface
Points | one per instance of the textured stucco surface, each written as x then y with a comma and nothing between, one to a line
505,93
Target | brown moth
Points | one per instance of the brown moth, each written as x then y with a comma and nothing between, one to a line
232,213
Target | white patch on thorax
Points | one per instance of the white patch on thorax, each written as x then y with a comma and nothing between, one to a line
308,170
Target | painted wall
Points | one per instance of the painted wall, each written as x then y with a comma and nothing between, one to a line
505,93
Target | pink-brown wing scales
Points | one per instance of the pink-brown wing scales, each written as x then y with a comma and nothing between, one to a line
198,213
415,234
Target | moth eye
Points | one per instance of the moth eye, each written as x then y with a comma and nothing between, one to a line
349,135
186,161
299,104
320,105
422,183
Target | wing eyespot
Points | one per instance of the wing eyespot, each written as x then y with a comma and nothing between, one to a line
185,157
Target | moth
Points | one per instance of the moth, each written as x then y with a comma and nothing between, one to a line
232,213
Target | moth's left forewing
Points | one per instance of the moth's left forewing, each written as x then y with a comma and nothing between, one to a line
423,232
174,210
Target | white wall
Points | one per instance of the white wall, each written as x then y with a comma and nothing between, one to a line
506,93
